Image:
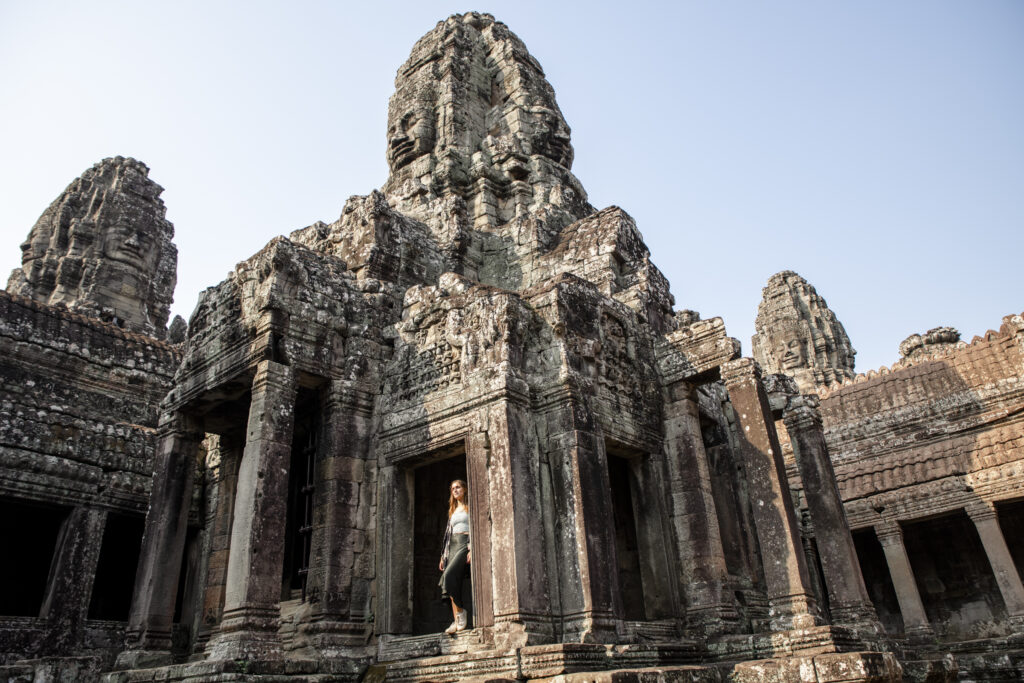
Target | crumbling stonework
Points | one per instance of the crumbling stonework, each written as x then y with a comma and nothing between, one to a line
645,503
103,248
796,333
928,462
476,319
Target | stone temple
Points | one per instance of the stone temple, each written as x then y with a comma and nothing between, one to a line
264,497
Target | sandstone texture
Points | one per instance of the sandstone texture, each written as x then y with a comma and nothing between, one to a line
928,460
646,504
103,248
796,333
82,374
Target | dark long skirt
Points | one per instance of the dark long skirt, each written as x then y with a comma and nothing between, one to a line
455,569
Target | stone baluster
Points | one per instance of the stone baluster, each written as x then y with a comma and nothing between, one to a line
915,620
790,596
983,514
848,597
701,556
253,591
148,639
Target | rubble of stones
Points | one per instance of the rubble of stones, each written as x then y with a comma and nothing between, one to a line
261,493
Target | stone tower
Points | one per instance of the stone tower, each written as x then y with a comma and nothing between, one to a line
796,333
103,248
476,319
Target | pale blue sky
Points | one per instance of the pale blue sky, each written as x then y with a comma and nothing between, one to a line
875,147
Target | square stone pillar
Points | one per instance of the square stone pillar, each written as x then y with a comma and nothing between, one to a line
341,549
229,449
847,594
508,563
701,558
588,577
915,620
252,595
983,514
790,595
66,603
148,637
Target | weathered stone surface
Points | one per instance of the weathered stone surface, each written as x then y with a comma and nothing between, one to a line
103,248
796,333
81,378
639,510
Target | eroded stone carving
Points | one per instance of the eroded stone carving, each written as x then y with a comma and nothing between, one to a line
936,339
799,335
103,247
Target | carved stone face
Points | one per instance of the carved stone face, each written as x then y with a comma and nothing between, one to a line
410,137
791,354
127,245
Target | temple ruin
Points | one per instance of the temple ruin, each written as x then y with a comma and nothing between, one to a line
264,496
928,457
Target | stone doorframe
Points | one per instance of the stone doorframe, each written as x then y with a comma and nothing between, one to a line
397,528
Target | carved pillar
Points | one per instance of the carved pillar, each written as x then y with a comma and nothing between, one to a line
701,557
230,453
588,576
983,514
66,603
340,538
504,459
148,638
790,596
848,596
253,592
915,620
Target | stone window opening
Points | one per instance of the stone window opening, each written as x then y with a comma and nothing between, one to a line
115,570
32,530
301,489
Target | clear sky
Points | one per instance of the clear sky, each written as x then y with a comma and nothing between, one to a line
875,147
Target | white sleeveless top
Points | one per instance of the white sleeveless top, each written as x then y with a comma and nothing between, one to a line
460,522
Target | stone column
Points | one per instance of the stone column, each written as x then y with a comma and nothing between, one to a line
983,514
790,596
848,596
915,620
66,603
148,637
219,525
579,470
701,557
341,545
252,595
504,459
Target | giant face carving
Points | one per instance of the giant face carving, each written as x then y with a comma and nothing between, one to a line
410,137
791,354
124,243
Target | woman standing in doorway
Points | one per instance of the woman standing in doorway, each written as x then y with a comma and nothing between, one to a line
456,554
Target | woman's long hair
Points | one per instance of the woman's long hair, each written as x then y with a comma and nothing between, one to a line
452,503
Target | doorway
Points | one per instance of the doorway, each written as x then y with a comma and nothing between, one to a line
430,517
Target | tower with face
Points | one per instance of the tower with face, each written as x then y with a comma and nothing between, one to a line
798,334
104,248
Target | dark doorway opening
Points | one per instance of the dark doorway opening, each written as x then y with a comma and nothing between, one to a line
627,549
877,580
31,531
953,574
299,517
115,572
429,613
